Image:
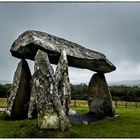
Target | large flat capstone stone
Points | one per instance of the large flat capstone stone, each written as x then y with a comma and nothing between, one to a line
27,44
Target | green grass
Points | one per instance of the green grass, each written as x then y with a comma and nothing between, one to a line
125,126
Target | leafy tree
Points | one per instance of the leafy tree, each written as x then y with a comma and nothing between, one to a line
4,90
79,92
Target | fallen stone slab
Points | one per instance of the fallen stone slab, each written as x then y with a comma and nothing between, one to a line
27,44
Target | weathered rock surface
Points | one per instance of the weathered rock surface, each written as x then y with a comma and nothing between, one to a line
45,97
18,100
62,82
99,100
32,111
29,42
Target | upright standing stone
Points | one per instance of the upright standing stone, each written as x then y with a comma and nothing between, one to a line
32,111
20,92
62,82
49,109
99,100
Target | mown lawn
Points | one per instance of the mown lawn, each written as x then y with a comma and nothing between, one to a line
125,126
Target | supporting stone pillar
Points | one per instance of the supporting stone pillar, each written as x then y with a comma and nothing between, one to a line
62,82
99,100
18,100
32,111
44,95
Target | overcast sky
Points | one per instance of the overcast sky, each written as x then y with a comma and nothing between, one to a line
110,28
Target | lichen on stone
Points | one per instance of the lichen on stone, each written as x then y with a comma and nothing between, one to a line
44,93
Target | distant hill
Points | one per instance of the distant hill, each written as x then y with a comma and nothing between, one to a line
3,82
130,83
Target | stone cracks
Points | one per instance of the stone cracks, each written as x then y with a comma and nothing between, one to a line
46,95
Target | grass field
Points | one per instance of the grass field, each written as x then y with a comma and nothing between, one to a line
82,103
125,126
3,102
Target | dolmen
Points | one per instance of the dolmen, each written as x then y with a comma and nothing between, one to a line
46,94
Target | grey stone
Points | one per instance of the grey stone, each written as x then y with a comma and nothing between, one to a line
18,100
32,111
117,116
62,82
45,96
29,42
99,100
72,112
85,122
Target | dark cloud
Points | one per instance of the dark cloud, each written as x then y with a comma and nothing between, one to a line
111,28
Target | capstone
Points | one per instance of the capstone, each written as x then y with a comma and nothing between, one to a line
27,44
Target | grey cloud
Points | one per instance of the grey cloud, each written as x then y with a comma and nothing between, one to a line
110,28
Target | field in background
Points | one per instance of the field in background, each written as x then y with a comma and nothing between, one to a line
3,102
117,104
83,103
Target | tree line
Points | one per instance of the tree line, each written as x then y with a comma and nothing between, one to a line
4,90
80,92
118,93
123,93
